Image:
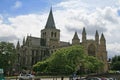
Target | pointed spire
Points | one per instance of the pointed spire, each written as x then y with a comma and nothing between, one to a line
75,36
102,37
50,21
23,40
84,31
96,34
18,45
97,37
83,35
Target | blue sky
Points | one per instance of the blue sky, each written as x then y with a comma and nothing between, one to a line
20,7
21,17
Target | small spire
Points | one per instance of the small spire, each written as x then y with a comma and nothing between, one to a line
96,34
50,21
75,36
18,45
23,40
97,37
102,37
84,31
83,35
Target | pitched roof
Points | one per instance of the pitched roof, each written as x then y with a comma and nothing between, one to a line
50,21
34,41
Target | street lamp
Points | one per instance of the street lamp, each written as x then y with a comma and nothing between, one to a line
80,70
9,62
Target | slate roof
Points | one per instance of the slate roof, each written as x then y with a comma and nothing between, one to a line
50,21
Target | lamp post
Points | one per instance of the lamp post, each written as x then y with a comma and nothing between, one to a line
9,62
80,70
18,64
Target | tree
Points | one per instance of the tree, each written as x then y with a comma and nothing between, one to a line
93,64
7,55
67,61
115,65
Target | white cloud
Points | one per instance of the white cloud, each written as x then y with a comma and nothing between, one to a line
28,24
1,19
113,49
17,5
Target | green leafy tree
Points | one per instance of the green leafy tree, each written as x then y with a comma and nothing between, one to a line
7,55
93,64
115,63
68,60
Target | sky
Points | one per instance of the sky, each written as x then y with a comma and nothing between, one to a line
19,18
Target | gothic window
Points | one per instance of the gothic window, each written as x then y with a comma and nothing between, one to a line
55,34
91,50
44,52
43,34
36,56
53,46
51,51
51,34
32,57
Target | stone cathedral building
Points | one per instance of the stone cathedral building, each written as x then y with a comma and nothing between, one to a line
34,49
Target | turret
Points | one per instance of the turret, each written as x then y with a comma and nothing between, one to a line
103,42
102,39
83,35
75,40
24,41
97,37
18,45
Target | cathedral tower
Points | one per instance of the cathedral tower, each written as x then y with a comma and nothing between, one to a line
103,51
50,34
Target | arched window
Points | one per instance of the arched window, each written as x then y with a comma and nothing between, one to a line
51,34
45,33
91,50
55,34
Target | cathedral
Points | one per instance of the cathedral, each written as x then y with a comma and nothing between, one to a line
34,49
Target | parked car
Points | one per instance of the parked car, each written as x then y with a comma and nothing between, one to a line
93,78
112,79
25,77
104,78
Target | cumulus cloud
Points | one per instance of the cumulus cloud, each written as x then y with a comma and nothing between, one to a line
113,50
1,19
31,24
17,4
